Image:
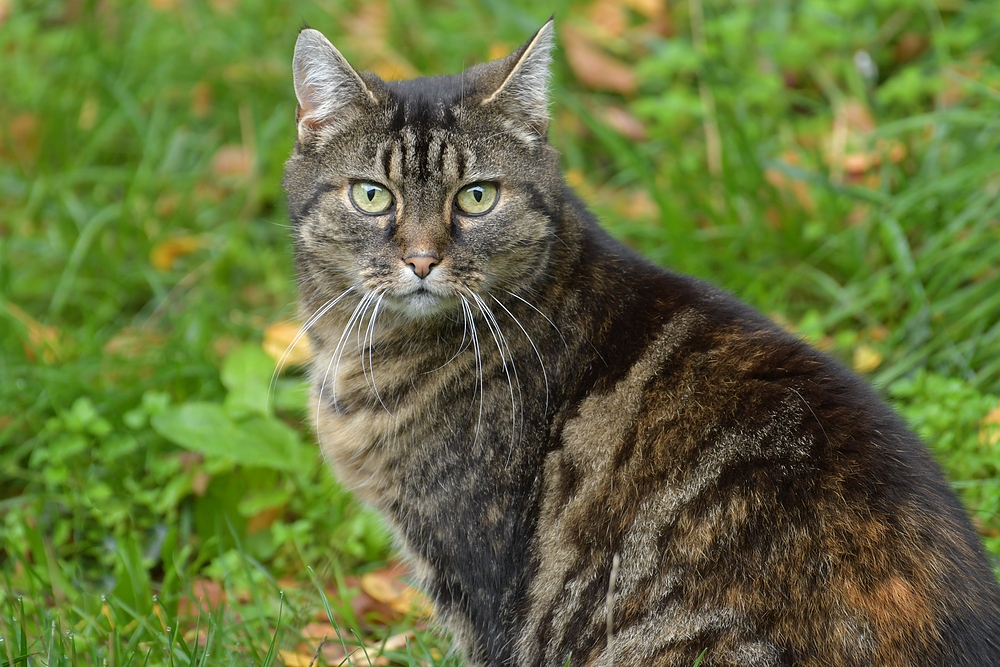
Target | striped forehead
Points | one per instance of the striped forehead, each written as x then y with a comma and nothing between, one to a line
424,155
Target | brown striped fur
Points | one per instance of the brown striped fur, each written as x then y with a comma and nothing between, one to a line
568,440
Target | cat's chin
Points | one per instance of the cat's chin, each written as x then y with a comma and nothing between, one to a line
421,304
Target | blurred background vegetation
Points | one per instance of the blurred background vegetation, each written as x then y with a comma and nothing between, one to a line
834,162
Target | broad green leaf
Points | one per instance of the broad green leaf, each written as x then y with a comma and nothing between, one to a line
257,442
247,375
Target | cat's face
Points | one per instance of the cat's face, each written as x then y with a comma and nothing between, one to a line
421,193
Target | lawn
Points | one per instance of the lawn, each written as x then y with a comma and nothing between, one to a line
162,501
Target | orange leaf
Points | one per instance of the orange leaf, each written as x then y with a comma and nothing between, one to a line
624,123
386,586
164,254
594,68
989,430
278,339
232,161
866,359
131,342
201,99
42,340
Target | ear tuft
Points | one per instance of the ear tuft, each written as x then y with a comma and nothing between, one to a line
326,85
524,92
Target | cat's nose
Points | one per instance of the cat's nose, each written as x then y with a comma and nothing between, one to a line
422,264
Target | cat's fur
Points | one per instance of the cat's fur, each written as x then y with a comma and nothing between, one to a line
588,458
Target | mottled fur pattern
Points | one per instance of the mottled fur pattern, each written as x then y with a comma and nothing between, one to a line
587,458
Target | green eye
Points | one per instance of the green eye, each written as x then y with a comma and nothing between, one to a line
371,198
477,198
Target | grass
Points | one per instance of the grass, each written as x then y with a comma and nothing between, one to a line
161,504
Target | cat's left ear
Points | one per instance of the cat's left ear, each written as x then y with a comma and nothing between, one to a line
330,92
524,92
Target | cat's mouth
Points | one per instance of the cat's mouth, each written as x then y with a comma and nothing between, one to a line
422,302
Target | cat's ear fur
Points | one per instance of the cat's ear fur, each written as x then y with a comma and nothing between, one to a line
523,91
330,92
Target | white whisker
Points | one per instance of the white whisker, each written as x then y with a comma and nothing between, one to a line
505,352
545,376
303,330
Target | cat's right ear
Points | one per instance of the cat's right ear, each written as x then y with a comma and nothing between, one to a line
330,92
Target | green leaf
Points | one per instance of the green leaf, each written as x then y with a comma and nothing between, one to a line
247,375
258,442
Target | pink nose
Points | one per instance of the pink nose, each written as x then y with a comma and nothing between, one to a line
422,264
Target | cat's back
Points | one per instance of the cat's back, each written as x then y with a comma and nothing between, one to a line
756,496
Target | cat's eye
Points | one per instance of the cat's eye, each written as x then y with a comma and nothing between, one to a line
477,198
371,198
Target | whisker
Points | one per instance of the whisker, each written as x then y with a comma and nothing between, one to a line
501,343
479,364
370,337
337,353
303,330
538,355
462,346
546,317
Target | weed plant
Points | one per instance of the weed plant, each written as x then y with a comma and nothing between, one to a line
837,164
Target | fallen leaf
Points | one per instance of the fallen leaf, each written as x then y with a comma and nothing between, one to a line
206,596
43,341
166,253
989,430
132,342
788,185
201,99
280,344
499,50
909,47
232,161
624,123
386,585
263,519
23,133
594,68
609,16
866,358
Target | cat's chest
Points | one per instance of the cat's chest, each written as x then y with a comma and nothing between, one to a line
382,406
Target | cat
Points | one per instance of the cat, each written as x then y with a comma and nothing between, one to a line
589,460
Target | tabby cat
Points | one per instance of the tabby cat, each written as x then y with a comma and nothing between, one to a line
589,460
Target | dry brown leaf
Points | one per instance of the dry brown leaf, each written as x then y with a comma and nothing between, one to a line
293,659
132,342
262,520
866,358
624,123
909,47
23,133
609,16
164,254
201,99
989,430
232,161
43,341
499,50
785,183
278,339
206,596
594,68
386,586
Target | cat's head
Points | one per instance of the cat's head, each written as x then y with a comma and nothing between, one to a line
423,191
